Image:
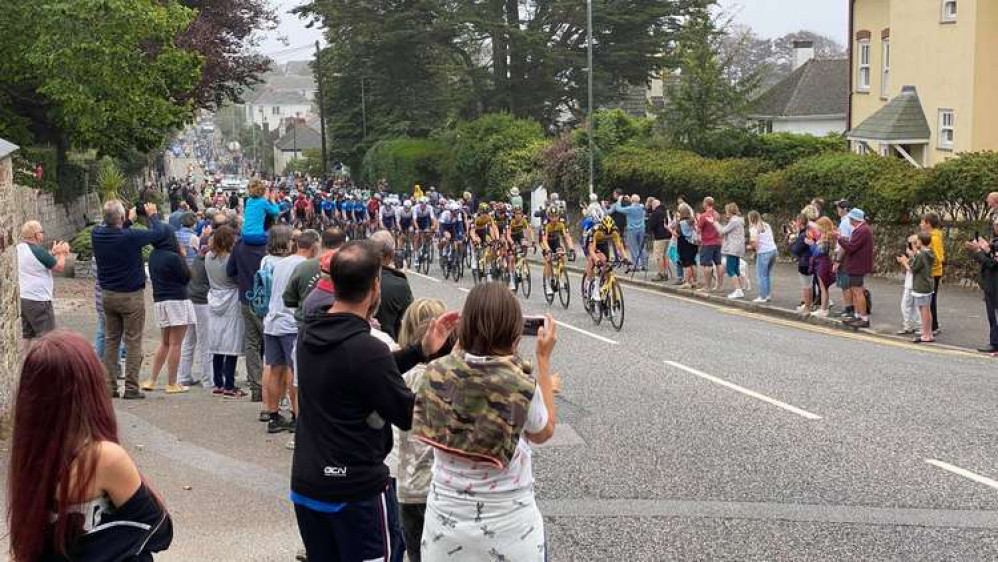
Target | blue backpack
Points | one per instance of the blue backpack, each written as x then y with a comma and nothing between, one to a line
259,297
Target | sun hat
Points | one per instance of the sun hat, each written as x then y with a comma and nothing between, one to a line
857,215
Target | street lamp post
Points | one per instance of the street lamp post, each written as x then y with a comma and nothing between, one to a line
589,121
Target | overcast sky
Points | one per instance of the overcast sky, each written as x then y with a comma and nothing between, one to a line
773,18
769,18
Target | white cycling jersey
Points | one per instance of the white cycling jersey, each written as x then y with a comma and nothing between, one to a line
423,211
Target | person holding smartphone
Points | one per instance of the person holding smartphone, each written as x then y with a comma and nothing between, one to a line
481,499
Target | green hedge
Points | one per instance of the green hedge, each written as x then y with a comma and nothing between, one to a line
25,161
885,188
782,149
405,162
669,174
959,185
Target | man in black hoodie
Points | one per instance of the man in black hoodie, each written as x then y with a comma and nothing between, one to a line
351,392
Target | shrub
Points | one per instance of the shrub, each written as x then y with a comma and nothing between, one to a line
405,162
959,185
782,149
669,174
25,161
482,159
886,188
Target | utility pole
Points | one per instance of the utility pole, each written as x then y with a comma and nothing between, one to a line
322,111
589,121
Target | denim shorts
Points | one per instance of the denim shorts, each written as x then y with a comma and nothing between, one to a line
710,255
278,350
732,266
923,300
842,279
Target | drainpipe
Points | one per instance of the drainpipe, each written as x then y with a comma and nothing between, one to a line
850,42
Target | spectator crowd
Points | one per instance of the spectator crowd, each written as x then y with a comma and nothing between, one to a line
338,353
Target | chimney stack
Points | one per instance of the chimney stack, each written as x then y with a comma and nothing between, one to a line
803,52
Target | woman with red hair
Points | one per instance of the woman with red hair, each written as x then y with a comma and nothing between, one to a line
73,492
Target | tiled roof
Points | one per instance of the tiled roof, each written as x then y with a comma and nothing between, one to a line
307,139
819,87
277,97
900,120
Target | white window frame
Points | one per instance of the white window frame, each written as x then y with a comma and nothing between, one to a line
276,110
950,11
885,75
946,142
861,148
863,69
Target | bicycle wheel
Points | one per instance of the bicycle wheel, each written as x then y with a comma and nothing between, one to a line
548,290
525,279
616,308
564,290
424,258
596,306
445,266
468,256
587,303
458,268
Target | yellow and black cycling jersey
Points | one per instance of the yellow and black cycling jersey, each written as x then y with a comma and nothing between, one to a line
602,236
518,225
483,225
555,230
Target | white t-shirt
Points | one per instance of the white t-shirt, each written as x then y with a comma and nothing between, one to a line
280,320
34,277
465,475
764,241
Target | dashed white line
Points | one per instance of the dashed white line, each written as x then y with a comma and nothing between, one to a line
464,289
411,272
963,472
587,333
745,391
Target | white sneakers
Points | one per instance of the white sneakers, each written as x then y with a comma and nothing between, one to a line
760,300
736,294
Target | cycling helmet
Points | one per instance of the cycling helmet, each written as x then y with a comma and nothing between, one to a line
483,207
607,223
553,211
407,203
424,200
454,206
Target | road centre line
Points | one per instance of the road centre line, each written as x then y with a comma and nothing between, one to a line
464,289
745,391
411,272
586,333
963,472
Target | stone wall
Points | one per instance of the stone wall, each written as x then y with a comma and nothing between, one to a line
11,218
60,220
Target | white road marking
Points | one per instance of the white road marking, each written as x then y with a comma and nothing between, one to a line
464,289
745,391
584,332
411,272
963,472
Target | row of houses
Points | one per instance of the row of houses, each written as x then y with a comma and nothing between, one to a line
916,84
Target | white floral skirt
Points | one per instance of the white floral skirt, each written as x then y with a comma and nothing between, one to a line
175,313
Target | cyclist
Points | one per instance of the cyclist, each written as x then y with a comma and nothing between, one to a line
425,221
555,232
405,218
484,230
452,223
388,216
359,216
328,209
599,247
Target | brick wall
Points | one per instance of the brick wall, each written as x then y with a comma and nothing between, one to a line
11,218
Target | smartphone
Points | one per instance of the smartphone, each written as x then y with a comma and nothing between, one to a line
977,235
533,324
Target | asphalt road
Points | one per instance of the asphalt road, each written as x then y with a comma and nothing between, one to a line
695,433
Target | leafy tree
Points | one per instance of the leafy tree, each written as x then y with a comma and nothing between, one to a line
783,49
310,165
104,74
705,98
224,33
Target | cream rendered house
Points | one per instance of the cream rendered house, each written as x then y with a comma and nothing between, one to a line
924,78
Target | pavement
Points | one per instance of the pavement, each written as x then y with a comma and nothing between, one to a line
697,432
